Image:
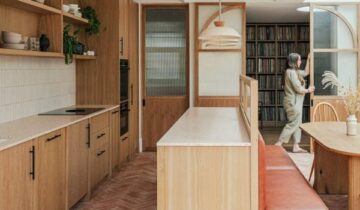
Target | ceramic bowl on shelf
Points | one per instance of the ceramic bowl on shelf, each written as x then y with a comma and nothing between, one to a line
14,46
11,37
66,8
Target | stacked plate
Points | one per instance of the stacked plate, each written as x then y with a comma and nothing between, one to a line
12,40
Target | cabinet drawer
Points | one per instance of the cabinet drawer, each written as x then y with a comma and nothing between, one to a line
100,138
124,148
99,122
100,164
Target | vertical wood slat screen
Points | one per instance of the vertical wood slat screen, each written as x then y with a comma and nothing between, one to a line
165,52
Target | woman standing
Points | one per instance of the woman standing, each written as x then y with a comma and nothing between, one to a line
294,88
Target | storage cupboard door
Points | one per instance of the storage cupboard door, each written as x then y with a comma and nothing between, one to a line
100,164
123,28
77,138
124,149
17,184
115,137
51,171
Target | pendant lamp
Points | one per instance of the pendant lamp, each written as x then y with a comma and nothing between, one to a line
220,35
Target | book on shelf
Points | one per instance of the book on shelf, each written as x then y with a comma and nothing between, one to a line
279,82
266,65
267,97
303,33
250,33
284,49
303,49
286,33
250,49
266,49
250,66
280,97
268,113
267,81
266,33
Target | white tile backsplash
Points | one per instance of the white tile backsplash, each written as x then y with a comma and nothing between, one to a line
29,86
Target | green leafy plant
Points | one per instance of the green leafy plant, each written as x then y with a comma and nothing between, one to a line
90,14
69,42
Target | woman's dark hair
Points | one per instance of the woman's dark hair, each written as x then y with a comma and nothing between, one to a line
292,63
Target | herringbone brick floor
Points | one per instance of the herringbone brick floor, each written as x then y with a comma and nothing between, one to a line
132,188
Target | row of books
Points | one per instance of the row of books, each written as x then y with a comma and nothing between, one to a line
266,33
304,33
250,66
269,66
284,49
285,33
270,114
266,65
270,82
267,97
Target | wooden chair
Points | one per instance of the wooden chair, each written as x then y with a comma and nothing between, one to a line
323,112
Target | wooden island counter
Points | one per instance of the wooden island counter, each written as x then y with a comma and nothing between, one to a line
205,162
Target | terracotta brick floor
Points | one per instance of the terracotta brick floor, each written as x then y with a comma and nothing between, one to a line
134,186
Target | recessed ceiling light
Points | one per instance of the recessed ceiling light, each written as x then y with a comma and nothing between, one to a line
307,9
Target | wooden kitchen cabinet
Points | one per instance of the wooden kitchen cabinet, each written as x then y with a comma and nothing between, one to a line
123,29
115,137
78,146
100,164
124,148
50,169
17,191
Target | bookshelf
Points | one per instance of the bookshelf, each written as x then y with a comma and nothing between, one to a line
267,47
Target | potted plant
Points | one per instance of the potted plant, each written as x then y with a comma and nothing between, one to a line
90,14
70,43
351,98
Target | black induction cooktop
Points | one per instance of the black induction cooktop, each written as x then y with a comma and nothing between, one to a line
72,111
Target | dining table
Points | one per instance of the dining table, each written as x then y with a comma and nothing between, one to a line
336,160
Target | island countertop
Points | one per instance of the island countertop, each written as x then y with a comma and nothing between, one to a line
19,131
202,126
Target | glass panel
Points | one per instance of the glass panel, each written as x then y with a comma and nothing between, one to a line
330,31
343,64
165,52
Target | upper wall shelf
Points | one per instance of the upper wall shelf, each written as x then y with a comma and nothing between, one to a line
70,18
31,6
30,53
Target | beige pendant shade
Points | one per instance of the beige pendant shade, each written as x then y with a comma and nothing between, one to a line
220,35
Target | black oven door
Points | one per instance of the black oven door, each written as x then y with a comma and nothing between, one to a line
124,118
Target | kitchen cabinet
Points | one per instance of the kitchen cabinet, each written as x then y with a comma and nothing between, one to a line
100,164
115,137
123,29
50,169
17,184
78,145
124,148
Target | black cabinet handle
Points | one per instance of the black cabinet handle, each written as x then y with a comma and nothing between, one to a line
32,172
88,137
53,138
114,112
100,153
131,94
124,139
122,46
101,135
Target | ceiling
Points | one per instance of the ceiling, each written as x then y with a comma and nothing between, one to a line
259,11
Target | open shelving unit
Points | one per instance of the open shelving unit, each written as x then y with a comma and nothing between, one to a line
31,19
267,47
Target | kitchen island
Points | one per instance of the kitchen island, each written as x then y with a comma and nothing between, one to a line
204,162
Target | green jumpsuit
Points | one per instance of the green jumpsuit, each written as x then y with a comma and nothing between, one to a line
293,105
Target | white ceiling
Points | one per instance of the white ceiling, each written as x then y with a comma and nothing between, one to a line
260,11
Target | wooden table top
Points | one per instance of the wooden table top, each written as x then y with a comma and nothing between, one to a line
332,135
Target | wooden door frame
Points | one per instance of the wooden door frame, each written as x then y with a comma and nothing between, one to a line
142,96
209,101
355,49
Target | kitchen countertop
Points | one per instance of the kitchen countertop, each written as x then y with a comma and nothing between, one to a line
19,131
208,127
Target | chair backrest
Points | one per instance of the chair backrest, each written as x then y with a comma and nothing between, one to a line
324,112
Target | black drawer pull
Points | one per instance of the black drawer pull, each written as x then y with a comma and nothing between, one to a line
124,139
100,153
101,135
114,112
88,137
32,172
53,138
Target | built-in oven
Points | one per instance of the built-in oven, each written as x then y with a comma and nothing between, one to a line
124,80
124,117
